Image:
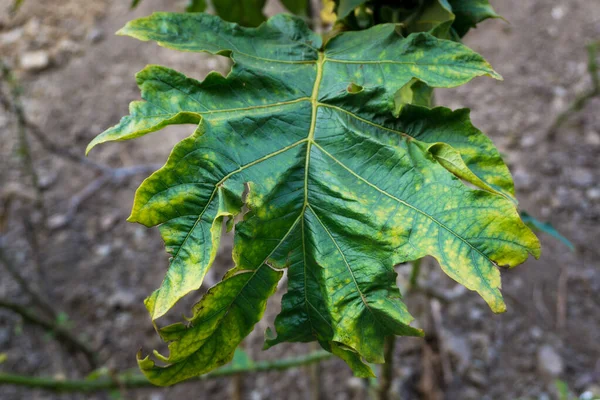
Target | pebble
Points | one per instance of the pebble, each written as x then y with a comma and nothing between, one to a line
477,378
57,221
582,177
4,336
593,193
557,13
11,37
355,384
536,332
122,299
523,180
592,138
35,60
550,363
108,221
95,35
528,141
103,250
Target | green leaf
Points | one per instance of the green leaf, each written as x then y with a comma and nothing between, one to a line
436,18
339,190
196,6
244,12
545,227
469,13
297,7
414,92
345,7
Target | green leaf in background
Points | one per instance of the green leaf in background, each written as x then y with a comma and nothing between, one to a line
414,92
244,12
339,190
469,13
345,7
545,227
297,7
447,19
195,6
436,18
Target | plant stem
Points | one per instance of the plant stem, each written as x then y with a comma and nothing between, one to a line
37,298
581,100
414,274
15,106
61,333
315,377
387,369
133,380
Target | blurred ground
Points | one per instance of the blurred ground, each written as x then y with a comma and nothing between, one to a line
78,79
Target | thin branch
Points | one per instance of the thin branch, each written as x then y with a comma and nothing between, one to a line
36,297
129,380
112,175
581,100
63,335
387,369
16,107
414,274
436,315
314,371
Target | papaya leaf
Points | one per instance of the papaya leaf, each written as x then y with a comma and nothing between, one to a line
244,12
195,6
297,7
469,13
339,190
343,8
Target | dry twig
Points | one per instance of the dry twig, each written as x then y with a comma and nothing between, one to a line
63,335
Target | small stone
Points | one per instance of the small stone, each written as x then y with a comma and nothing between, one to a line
593,193
11,37
46,179
550,363
122,299
35,60
592,138
477,378
558,13
355,384
582,177
528,141
4,336
522,179
591,392
560,91
475,314
140,236
103,250
57,221
536,332
67,46
95,35
108,221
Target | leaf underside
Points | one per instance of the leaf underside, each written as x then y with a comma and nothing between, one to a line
339,189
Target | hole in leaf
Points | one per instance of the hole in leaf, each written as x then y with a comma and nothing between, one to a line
354,88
